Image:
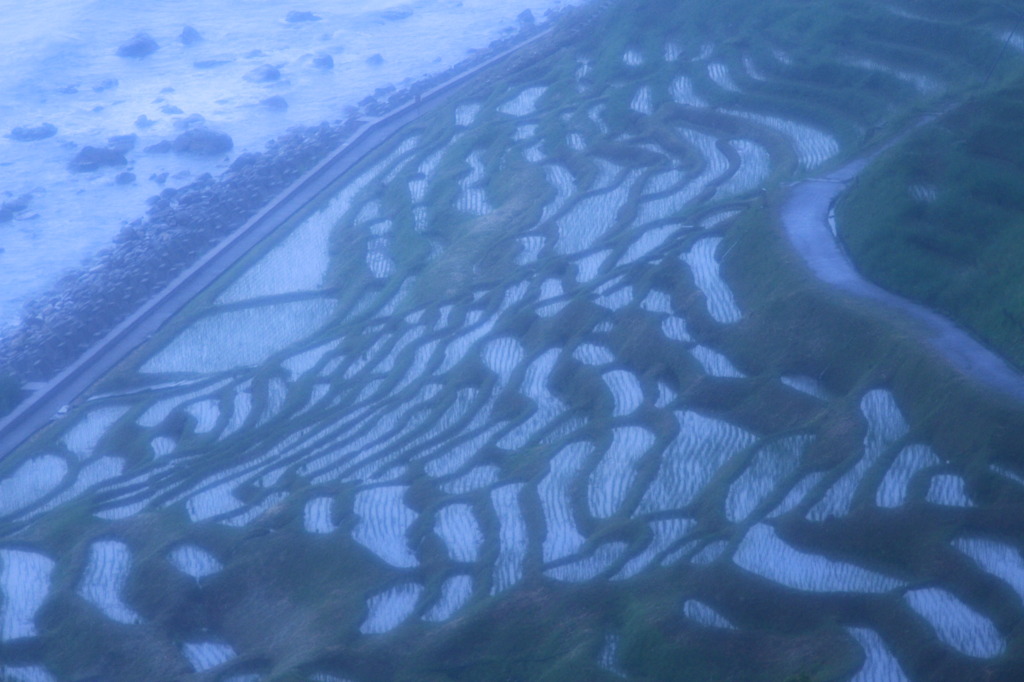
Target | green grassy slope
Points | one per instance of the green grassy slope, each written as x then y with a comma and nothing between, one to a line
940,218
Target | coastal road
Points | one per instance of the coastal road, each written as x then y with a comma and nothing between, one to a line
52,398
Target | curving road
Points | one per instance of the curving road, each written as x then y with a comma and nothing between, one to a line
806,215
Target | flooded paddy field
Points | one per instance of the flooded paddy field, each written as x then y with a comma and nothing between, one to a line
540,392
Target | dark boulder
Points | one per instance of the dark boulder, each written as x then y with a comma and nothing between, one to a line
375,59
203,142
243,160
189,36
264,74
32,133
161,147
94,158
295,17
526,17
106,84
277,103
18,204
122,143
139,46
191,121
322,60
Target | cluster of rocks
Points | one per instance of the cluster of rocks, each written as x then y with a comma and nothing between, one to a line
197,140
201,140
142,44
91,158
33,133
297,16
182,224
13,207
148,253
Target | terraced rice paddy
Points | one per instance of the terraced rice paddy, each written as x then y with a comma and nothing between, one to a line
490,408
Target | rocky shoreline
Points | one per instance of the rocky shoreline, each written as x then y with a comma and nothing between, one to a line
184,223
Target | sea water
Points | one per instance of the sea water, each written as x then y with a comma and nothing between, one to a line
61,67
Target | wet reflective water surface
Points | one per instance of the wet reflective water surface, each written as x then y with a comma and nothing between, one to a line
513,371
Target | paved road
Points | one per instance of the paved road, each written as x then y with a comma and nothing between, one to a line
47,401
806,217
